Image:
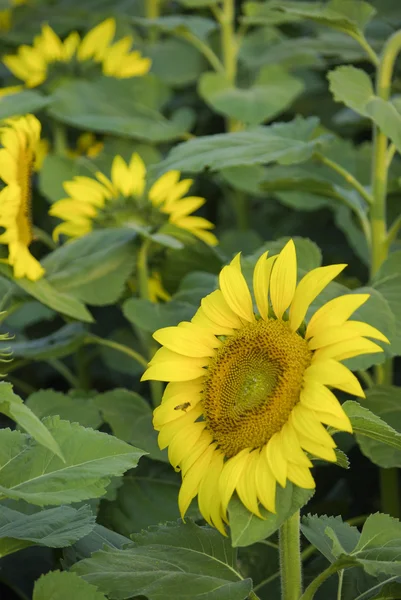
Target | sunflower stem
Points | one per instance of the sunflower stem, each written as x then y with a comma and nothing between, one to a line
95,339
60,138
156,387
389,485
290,558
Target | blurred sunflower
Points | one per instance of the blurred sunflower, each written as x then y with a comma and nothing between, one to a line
249,393
125,199
31,63
20,138
6,15
87,145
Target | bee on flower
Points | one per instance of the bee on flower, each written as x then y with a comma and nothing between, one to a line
250,389
33,64
20,140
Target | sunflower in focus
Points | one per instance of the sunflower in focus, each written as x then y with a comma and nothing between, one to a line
125,198
31,63
20,138
249,393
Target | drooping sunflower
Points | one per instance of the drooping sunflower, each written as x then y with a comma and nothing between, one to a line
125,197
20,138
31,63
249,394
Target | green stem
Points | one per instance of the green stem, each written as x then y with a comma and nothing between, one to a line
61,368
312,588
253,596
362,41
366,378
94,339
290,558
340,584
392,149
393,232
349,178
388,477
44,237
229,49
60,138
390,492
204,49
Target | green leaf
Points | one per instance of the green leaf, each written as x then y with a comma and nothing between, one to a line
65,585
384,401
390,591
27,101
96,540
144,500
31,472
271,94
43,291
285,143
351,86
198,26
314,529
150,316
62,342
197,3
12,406
58,169
348,17
366,423
379,546
115,106
247,528
130,418
176,62
388,282
76,407
309,255
94,268
54,527
186,560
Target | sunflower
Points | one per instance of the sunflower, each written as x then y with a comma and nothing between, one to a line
126,198
31,63
249,394
20,138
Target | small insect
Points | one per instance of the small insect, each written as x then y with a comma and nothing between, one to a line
183,407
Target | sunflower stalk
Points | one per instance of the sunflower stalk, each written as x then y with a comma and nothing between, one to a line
389,482
60,138
290,558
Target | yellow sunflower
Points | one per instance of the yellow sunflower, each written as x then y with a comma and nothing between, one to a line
20,138
125,198
248,393
31,63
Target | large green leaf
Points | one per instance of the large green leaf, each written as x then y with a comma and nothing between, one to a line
62,342
285,143
130,418
97,539
384,401
54,527
94,268
388,282
127,107
366,423
169,562
65,585
12,406
31,472
27,101
150,316
76,406
271,94
314,529
247,528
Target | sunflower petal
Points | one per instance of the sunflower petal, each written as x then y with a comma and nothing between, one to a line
283,279
331,372
335,312
193,477
235,290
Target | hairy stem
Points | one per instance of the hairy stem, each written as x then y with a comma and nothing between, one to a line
290,558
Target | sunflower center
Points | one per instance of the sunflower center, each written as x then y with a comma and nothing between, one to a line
253,383
24,216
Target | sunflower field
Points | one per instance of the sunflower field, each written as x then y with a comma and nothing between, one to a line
200,300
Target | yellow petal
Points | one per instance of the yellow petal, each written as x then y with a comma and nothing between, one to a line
230,476
175,408
283,279
301,476
70,46
209,502
291,446
203,442
185,341
346,349
276,459
261,280
308,289
265,483
121,176
217,310
335,312
207,324
183,443
185,207
331,372
347,331
138,175
162,187
177,388
246,486
96,41
170,366
318,397
342,423
193,477
318,450
235,290
306,424
187,422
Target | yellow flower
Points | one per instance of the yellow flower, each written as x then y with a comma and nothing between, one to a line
6,15
87,145
249,393
20,138
31,63
91,200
